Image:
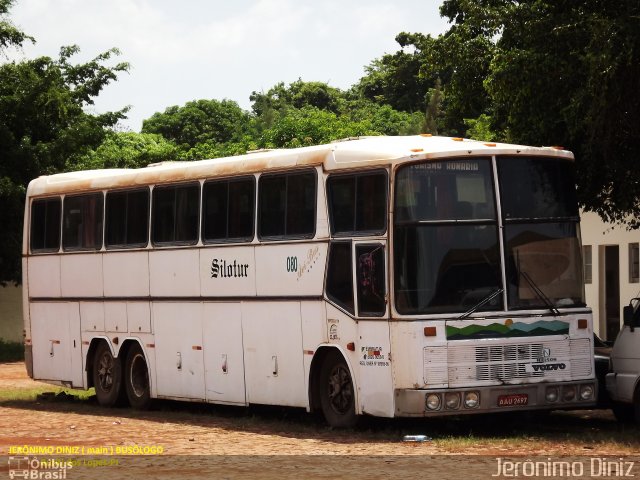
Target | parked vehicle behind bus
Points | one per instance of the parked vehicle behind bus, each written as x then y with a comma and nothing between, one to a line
623,383
387,276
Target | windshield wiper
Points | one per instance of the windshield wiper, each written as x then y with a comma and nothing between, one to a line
482,302
539,293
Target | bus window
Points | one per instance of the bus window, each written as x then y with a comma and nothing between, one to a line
45,225
339,275
227,210
370,280
127,219
287,205
358,203
82,222
175,214
446,244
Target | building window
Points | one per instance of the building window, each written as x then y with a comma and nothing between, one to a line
588,263
634,263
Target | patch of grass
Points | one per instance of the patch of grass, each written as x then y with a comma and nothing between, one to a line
11,351
31,394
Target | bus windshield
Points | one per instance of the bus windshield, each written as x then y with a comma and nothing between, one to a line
446,242
541,232
446,245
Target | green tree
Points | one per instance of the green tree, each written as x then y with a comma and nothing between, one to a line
10,36
399,79
567,73
199,121
125,150
298,94
43,123
311,126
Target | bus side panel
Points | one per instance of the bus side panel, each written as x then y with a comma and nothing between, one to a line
223,357
376,383
179,356
314,332
81,275
126,274
174,273
44,276
57,350
273,353
292,269
227,271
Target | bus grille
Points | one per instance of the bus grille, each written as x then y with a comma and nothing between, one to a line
460,365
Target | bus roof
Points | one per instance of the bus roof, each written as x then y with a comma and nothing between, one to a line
359,152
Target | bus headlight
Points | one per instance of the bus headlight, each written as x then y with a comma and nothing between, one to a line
551,394
452,400
433,401
586,392
471,399
568,393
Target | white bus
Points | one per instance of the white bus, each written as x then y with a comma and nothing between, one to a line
386,276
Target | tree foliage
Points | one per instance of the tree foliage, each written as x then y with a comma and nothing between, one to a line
199,121
567,73
125,150
10,36
42,125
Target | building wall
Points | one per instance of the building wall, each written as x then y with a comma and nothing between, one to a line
11,313
599,235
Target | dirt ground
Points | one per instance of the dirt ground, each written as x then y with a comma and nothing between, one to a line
240,442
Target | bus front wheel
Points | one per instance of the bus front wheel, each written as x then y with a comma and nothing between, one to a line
136,379
107,376
337,398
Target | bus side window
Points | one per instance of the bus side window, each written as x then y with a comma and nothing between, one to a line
45,225
175,210
82,222
339,275
358,203
127,219
287,205
370,280
227,210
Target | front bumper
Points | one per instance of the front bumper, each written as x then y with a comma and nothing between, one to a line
502,398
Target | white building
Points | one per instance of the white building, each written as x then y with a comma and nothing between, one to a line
11,313
612,263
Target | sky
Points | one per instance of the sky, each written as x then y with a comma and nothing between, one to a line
220,49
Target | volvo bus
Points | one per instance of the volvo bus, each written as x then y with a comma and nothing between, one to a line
386,276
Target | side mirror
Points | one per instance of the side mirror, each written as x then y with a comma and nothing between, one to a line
627,315
631,315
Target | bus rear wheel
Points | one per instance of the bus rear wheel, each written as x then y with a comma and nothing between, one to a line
107,376
337,398
136,379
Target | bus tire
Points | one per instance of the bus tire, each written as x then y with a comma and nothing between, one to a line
136,379
107,376
337,398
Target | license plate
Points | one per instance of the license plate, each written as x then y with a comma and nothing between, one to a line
513,400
